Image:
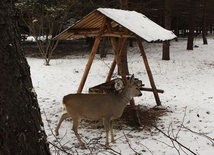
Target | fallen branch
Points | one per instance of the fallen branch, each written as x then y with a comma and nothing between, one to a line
127,140
174,140
59,148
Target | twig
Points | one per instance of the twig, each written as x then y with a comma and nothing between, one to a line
137,153
200,134
58,142
114,151
170,128
163,142
174,140
59,148
147,148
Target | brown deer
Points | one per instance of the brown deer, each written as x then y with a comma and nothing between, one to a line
98,106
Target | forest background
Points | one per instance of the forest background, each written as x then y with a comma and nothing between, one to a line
44,19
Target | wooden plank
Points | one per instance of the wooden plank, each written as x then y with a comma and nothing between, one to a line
91,57
154,89
91,17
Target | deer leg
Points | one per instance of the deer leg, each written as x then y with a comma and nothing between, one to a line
111,129
106,123
63,117
75,129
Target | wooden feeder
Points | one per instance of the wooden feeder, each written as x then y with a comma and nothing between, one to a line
122,24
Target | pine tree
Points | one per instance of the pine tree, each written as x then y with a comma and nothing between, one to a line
21,128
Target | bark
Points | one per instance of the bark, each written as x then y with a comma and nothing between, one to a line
123,52
123,57
166,44
191,25
103,50
124,4
21,127
211,30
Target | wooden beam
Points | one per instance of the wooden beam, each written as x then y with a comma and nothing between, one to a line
117,51
118,35
90,34
91,57
95,32
111,71
154,89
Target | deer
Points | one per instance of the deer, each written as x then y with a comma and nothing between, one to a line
105,107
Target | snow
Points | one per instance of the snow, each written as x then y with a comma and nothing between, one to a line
187,80
139,24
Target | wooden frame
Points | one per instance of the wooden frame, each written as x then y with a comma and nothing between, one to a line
106,30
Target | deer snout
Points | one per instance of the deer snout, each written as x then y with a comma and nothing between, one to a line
140,94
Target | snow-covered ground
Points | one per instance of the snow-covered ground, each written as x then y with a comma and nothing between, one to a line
188,82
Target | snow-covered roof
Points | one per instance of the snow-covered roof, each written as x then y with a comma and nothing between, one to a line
136,23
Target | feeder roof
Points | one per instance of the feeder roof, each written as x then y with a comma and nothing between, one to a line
136,24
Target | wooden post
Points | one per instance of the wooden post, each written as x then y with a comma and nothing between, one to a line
91,57
117,51
154,89
113,65
88,65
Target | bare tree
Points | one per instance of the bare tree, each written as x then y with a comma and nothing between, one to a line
44,19
21,127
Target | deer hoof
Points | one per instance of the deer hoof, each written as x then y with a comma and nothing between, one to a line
56,133
107,146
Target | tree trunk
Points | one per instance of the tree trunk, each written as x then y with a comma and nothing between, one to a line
167,25
123,52
123,57
103,49
191,25
21,127
124,4
204,19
